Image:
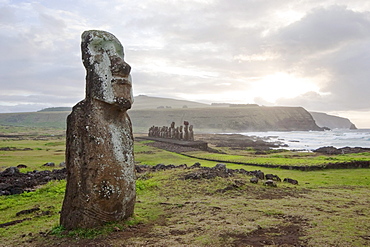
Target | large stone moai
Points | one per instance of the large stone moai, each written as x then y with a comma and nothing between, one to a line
186,130
191,133
99,145
181,136
172,130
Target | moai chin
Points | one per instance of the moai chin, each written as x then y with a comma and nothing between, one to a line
99,145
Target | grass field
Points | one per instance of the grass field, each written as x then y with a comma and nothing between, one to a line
327,208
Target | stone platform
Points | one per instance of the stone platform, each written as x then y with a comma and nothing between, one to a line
193,144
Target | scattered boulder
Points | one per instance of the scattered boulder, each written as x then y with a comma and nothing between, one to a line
292,181
195,165
270,183
273,177
51,164
259,174
11,171
254,180
21,166
219,170
15,182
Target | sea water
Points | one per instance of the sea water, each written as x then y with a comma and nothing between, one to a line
310,140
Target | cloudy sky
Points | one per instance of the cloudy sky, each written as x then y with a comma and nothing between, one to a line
310,53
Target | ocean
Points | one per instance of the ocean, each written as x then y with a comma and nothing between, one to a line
310,140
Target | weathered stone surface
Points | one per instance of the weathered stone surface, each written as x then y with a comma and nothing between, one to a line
99,145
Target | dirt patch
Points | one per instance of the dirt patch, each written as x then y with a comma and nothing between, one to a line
277,193
277,236
287,234
117,238
172,147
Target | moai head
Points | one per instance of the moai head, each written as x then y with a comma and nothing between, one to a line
108,76
191,127
173,125
186,123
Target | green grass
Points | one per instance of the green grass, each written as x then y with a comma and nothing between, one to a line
152,156
48,199
31,131
43,151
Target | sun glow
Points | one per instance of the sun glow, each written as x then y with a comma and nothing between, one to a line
282,85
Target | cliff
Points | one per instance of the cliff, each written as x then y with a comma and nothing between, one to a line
332,122
148,111
227,119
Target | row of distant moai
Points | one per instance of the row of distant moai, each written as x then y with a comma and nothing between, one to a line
185,133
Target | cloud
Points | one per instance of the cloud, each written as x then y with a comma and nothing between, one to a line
332,42
201,50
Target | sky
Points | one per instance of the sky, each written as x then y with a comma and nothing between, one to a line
309,53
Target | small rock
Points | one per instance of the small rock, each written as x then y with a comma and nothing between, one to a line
51,164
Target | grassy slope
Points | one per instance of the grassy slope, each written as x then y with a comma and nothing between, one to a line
35,119
330,206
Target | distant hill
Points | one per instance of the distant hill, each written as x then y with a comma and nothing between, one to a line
148,102
332,122
56,109
55,119
148,111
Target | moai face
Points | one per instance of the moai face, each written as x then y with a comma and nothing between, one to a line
108,75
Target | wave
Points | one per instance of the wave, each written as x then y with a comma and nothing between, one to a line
311,140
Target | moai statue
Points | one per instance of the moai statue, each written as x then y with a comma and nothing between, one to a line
191,133
186,130
180,133
99,146
172,130
166,132
163,131
177,133
151,131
